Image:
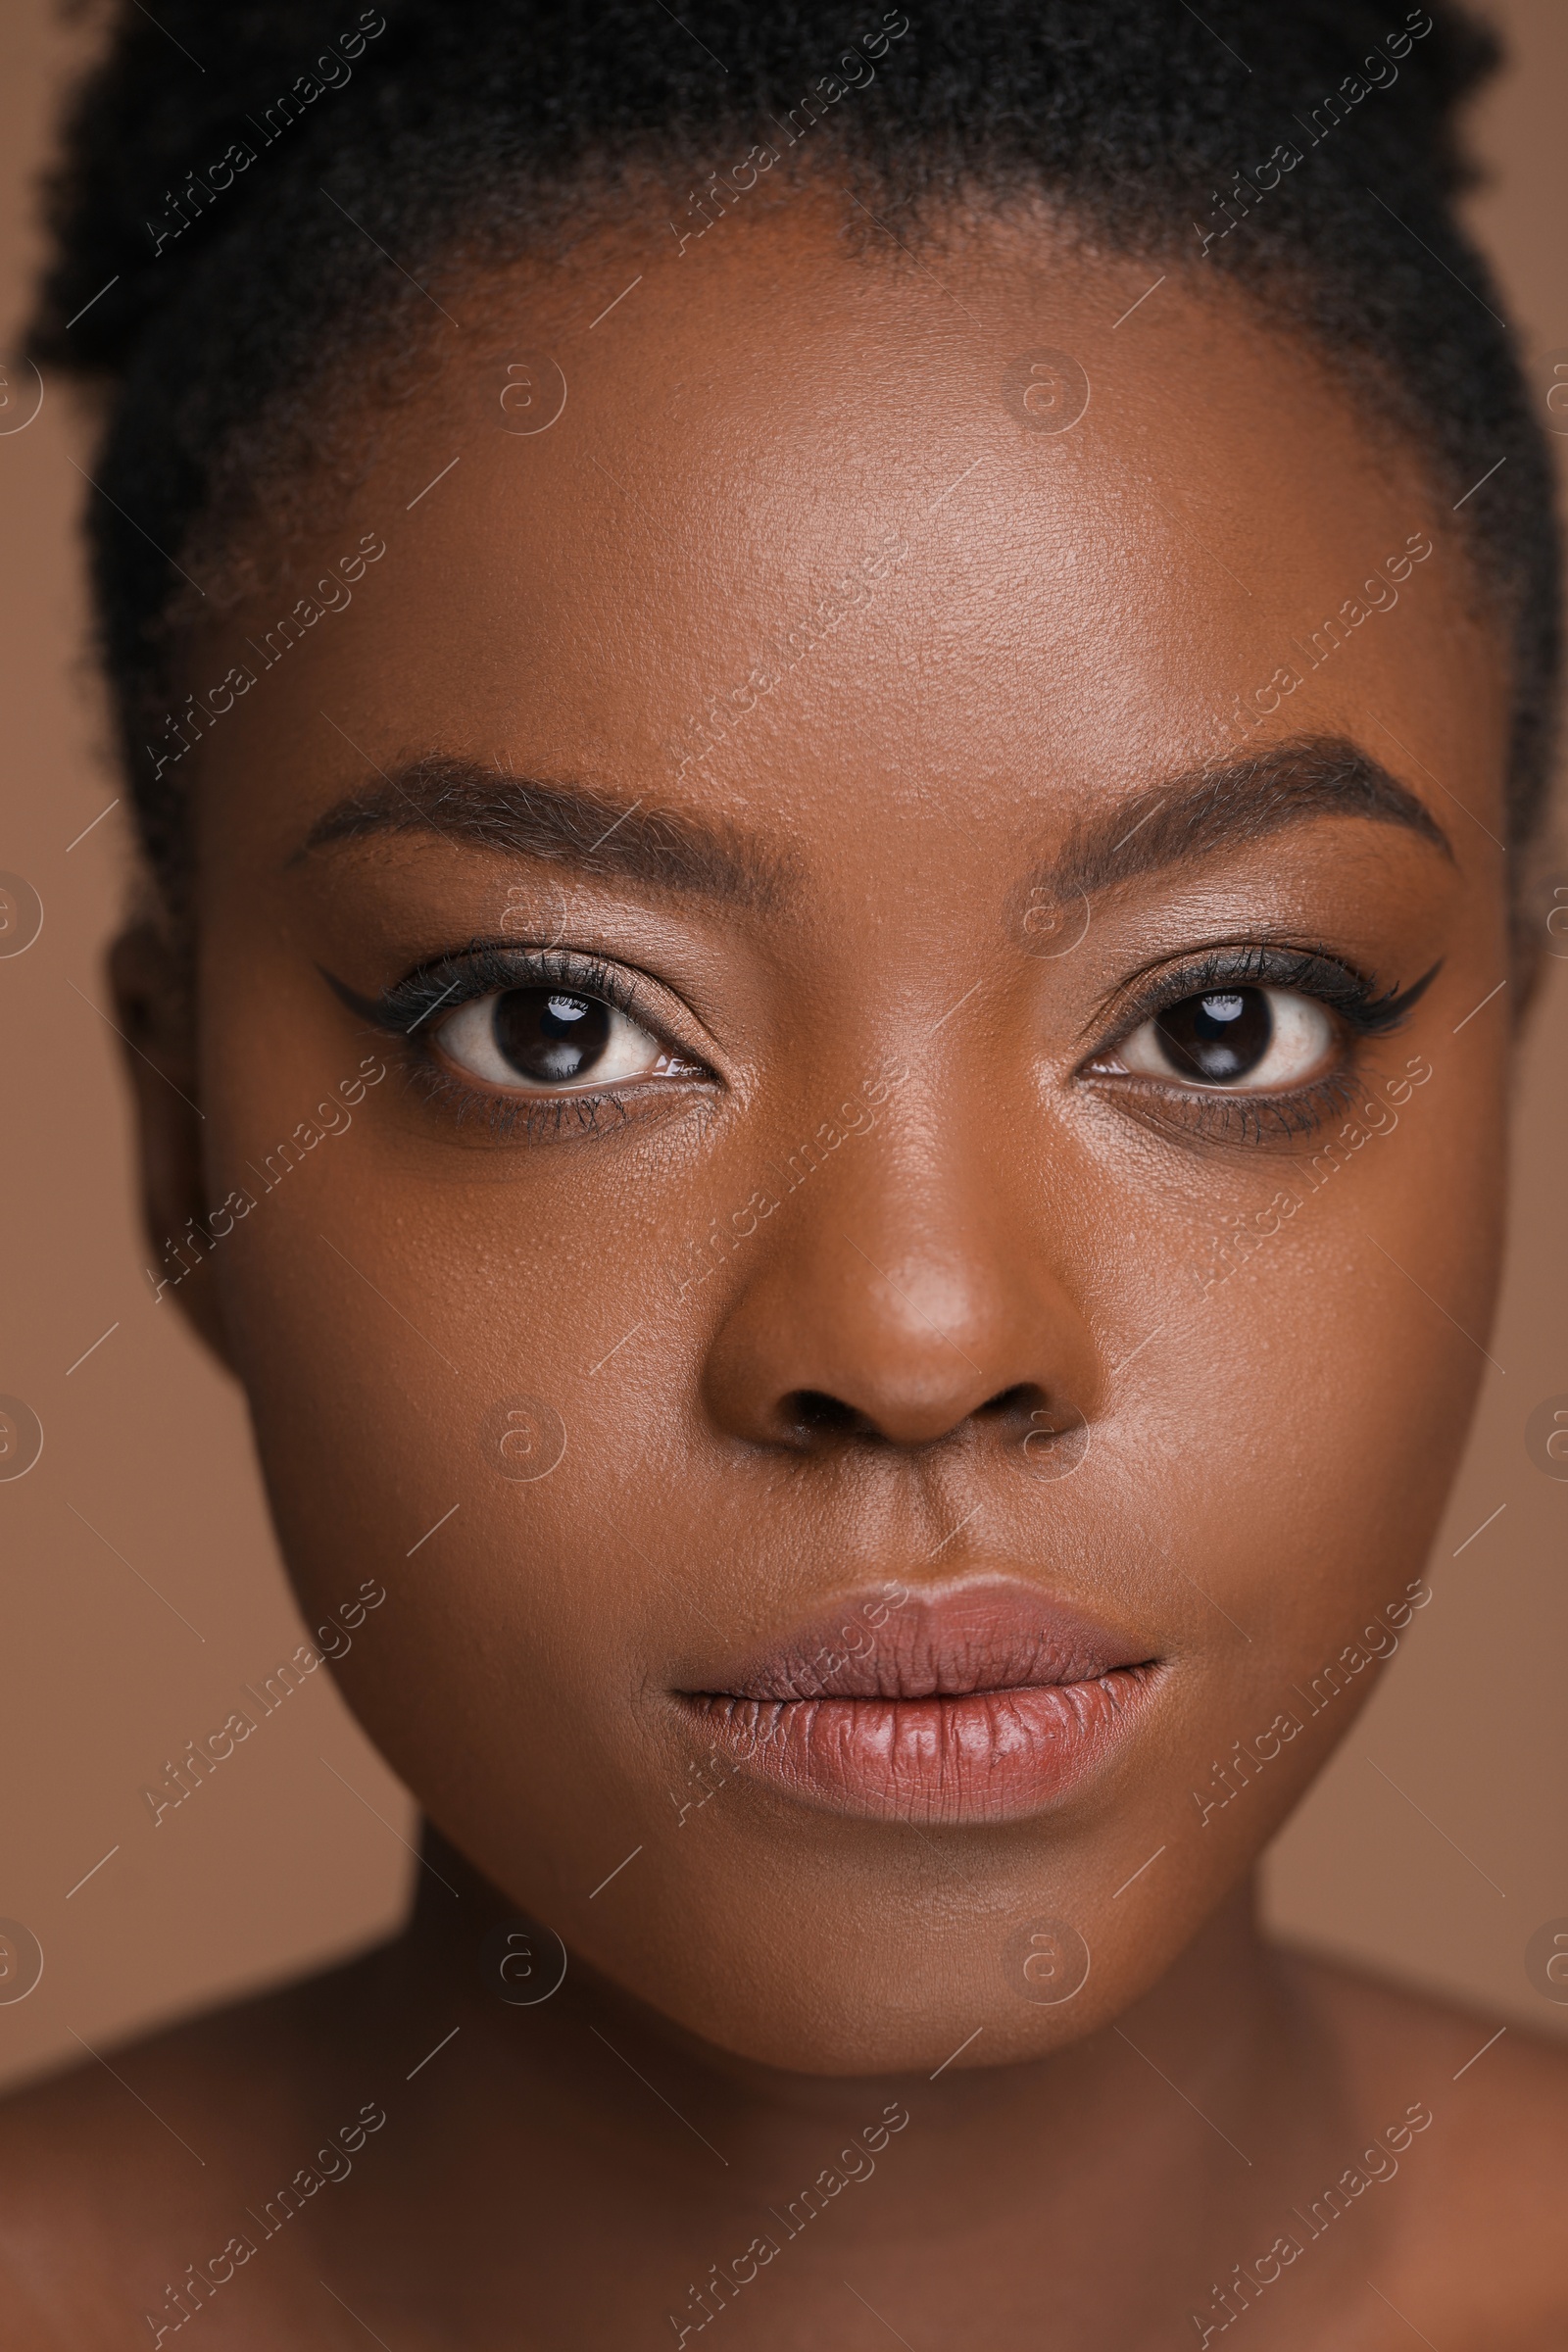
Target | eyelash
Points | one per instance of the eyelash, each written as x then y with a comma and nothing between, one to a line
484,970
1351,995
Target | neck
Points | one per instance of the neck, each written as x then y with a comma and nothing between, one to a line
1179,2101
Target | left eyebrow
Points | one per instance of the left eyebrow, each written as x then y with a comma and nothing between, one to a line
1190,816
564,824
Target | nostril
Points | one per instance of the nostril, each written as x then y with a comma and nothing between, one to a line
814,1413
1012,1404
1019,1408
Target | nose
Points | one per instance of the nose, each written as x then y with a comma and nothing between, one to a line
903,1305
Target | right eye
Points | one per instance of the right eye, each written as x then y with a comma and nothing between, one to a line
1264,1039
543,1039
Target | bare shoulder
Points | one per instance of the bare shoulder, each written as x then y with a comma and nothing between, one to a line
1460,2060
135,2186
1480,2107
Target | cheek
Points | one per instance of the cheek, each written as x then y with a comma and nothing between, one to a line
418,1356
1297,1408
1290,1432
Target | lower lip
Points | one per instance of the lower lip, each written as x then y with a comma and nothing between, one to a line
979,1756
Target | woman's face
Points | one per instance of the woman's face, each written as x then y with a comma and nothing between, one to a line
897,1324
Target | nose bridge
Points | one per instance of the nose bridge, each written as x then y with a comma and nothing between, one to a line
899,1283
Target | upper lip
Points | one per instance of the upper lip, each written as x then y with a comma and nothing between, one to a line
896,1642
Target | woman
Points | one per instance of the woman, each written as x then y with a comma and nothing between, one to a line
857,685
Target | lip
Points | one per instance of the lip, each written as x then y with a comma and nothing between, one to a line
983,1701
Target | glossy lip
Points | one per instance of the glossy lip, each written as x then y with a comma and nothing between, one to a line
982,1701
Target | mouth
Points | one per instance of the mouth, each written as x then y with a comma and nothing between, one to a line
985,1702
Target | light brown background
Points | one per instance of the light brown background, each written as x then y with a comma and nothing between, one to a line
140,1585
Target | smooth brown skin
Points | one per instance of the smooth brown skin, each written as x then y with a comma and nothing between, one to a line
765,1977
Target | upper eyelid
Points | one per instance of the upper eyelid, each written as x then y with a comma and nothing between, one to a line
407,1004
1256,963
492,968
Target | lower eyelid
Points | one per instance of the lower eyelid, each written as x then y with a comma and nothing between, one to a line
1196,1115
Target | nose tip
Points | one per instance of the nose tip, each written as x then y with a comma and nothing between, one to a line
898,1353
830,1348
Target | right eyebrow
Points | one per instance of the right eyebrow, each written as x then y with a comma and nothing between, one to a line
1189,817
665,849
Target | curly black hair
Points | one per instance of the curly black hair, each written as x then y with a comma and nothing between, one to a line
236,179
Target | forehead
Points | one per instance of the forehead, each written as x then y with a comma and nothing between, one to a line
812,536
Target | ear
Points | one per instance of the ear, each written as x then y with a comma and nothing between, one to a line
153,1011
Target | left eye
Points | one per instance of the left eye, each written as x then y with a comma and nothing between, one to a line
1265,1040
549,1037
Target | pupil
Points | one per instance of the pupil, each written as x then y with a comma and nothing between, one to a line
549,1037
1218,1037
